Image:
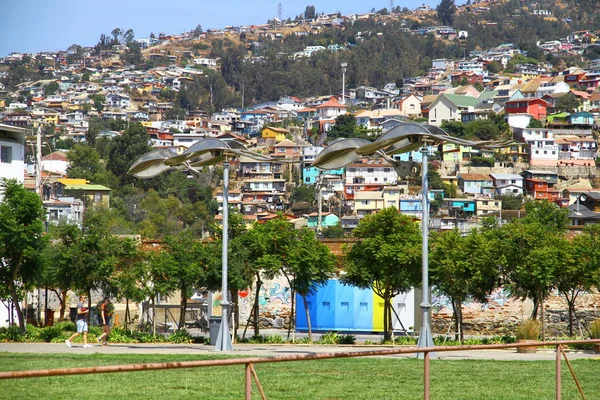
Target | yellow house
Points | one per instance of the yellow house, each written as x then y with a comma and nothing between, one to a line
271,132
454,153
96,195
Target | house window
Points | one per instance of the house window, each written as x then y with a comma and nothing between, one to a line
553,152
540,184
281,149
370,170
365,202
485,203
513,181
97,197
386,170
6,154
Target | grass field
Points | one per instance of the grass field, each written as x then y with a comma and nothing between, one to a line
358,378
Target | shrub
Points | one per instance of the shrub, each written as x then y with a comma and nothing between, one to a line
66,326
346,339
49,333
595,329
405,340
182,336
274,339
529,330
11,334
330,337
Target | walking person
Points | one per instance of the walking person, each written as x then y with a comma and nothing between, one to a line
105,312
81,322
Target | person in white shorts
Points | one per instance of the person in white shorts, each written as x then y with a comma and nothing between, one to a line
81,322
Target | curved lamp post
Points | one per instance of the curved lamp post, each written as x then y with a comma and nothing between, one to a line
406,137
203,153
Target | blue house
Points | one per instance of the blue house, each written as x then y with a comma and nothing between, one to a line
311,174
327,219
581,118
466,206
411,206
476,184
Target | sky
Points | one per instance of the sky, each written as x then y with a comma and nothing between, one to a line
30,26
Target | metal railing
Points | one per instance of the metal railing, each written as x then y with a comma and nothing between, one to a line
250,372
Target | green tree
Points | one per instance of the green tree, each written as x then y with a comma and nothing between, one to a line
311,264
125,149
483,129
51,88
569,103
535,123
387,257
186,257
99,101
21,242
59,274
510,202
310,12
333,232
268,246
580,269
454,128
346,127
445,12
463,267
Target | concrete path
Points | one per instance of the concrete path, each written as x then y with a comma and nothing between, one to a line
251,350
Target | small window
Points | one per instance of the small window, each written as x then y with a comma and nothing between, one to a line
370,170
6,154
386,170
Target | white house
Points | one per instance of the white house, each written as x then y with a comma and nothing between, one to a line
449,107
543,148
117,100
508,184
12,152
55,162
371,171
331,109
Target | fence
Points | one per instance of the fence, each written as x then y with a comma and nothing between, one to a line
250,373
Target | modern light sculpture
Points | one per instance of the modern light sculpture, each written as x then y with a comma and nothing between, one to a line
406,137
203,153
344,66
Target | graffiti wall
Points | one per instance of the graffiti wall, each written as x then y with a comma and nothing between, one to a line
274,301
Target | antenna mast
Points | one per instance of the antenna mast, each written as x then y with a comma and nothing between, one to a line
280,11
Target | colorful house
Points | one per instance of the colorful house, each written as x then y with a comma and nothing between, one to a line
535,107
274,133
476,184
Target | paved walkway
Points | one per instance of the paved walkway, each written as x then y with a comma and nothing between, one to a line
249,350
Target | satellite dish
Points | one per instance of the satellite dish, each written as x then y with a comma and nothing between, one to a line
583,197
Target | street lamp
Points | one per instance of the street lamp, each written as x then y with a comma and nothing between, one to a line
406,137
344,66
203,153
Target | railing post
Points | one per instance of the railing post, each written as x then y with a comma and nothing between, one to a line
558,373
426,375
248,382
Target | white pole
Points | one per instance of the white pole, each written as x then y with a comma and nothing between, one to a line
224,339
425,337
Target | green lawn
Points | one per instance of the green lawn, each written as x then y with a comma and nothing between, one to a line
358,378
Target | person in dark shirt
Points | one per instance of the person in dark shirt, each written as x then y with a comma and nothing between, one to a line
105,312
81,322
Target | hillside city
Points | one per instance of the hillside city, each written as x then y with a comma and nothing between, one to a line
554,159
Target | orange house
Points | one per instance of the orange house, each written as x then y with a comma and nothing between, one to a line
533,106
541,189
